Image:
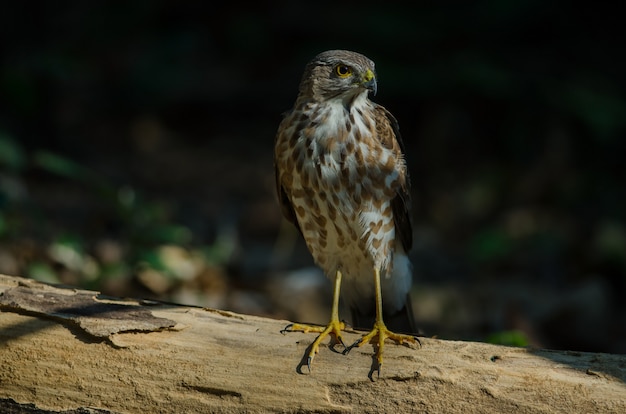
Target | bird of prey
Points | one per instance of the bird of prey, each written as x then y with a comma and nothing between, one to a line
342,180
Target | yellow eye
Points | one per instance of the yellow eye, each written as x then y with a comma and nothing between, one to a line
343,71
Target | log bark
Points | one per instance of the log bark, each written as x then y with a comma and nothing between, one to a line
74,351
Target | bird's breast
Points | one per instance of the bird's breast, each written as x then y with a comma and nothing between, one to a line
339,150
343,180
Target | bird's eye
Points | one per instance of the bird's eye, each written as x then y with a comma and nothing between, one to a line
343,71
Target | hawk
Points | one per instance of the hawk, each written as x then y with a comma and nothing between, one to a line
342,180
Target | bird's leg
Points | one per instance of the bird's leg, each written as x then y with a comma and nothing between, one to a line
334,327
380,330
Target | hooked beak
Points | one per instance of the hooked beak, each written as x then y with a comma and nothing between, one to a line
368,81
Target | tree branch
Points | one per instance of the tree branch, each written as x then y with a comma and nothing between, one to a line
68,350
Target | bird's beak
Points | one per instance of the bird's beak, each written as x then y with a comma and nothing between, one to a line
369,81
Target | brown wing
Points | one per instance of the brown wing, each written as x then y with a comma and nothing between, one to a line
285,204
389,133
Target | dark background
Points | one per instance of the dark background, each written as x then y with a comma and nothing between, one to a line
136,143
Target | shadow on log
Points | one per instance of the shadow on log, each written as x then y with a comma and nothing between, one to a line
66,350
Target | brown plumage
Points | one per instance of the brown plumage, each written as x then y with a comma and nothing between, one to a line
342,180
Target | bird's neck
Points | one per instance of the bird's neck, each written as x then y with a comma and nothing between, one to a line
349,101
336,121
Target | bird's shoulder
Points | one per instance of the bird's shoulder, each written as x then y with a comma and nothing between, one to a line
388,129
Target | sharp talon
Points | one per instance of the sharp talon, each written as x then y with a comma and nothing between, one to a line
418,341
308,363
286,329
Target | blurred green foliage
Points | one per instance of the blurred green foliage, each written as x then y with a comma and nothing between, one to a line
68,257
11,154
509,338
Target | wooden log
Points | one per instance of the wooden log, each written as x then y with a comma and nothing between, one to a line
73,351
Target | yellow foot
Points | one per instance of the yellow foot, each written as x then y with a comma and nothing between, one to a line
381,332
333,328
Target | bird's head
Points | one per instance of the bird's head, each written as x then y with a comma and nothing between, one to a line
338,74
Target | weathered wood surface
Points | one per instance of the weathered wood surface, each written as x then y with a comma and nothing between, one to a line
66,350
